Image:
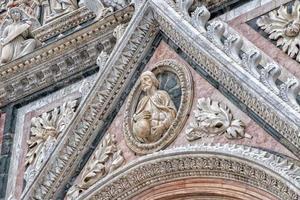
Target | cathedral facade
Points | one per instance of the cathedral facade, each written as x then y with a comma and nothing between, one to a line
149,100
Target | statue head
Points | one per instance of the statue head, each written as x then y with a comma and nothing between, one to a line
15,14
148,80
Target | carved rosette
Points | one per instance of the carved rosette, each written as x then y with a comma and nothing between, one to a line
183,76
214,119
283,26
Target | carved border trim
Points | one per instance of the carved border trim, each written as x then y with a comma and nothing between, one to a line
186,84
240,163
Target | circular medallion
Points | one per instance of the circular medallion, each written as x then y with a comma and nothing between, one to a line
157,107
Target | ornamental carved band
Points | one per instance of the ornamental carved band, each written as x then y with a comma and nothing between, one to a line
157,107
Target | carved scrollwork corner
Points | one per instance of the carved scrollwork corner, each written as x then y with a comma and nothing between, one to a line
212,119
269,75
199,18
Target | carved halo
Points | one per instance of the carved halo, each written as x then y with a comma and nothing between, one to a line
164,70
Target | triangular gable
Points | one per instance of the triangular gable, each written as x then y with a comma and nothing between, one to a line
258,97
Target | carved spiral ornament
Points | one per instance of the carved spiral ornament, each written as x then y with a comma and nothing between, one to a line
171,102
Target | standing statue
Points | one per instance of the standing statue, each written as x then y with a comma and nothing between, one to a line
155,112
15,35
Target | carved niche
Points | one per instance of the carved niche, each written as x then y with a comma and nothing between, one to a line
45,133
283,25
214,119
157,107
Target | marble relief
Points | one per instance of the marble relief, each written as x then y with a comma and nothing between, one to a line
283,26
157,107
155,111
213,119
15,35
45,133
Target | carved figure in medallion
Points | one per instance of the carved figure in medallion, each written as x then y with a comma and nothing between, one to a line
154,113
15,35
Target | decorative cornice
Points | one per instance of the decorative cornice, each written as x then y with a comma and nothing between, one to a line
103,97
254,167
39,69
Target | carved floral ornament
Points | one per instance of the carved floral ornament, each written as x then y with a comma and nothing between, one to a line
45,132
283,25
247,165
214,119
154,117
106,159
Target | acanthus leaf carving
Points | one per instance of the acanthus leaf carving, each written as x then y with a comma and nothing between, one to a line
45,131
284,27
214,119
106,159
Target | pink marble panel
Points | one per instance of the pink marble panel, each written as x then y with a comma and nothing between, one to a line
202,88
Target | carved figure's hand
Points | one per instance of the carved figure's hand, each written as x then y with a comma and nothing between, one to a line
142,115
158,131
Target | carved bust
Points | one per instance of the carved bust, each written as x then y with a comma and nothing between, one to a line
155,111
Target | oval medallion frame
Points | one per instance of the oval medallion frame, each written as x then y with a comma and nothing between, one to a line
186,84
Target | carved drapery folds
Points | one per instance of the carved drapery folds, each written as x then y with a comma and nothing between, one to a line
214,119
106,158
283,25
45,132
15,35
157,107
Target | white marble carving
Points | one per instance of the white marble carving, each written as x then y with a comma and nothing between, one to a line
45,132
214,119
284,27
104,7
15,35
106,158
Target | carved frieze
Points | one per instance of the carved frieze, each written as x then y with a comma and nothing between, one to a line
283,26
212,119
157,107
44,136
106,158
